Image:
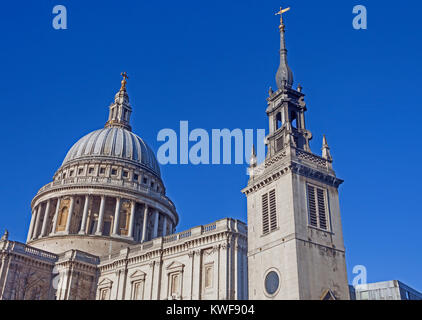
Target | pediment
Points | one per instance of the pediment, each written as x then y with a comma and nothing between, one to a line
208,251
137,274
105,282
175,265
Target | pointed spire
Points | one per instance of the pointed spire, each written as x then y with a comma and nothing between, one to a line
253,160
326,149
120,110
284,76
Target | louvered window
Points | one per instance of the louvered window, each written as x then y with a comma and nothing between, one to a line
269,212
265,217
312,207
317,205
273,211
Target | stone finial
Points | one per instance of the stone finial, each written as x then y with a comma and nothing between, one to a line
253,160
299,88
5,236
326,149
270,91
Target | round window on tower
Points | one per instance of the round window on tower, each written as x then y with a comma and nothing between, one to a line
272,282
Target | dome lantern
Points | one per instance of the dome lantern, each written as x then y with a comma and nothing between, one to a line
120,110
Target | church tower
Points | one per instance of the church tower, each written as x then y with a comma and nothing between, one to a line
295,239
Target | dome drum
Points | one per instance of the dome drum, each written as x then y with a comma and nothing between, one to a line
125,219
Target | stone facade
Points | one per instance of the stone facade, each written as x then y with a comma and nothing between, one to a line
104,228
205,262
26,273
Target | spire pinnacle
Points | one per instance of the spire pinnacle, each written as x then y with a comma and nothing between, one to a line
252,161
284,76
326,149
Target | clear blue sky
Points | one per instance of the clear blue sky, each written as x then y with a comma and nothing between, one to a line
211,63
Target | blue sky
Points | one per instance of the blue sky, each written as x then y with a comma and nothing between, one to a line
212,64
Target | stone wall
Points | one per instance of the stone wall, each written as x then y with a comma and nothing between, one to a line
205,262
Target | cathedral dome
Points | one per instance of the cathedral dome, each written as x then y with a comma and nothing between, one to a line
107,193
114,142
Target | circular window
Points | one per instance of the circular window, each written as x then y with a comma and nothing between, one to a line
272,281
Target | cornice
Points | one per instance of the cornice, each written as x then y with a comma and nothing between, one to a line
314,174
296,168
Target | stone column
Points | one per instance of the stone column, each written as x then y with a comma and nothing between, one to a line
31,226
99,231
144,226
164,226
245,275
37,222
44,224
69,214
156,215
132,218
84,216
56,214
116,218
196,275
235,276
224,281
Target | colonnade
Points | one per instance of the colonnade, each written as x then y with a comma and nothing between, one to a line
77,215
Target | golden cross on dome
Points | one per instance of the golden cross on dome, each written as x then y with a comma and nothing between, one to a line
281,15
125,76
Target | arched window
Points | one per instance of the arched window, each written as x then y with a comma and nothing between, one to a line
279,121
293,119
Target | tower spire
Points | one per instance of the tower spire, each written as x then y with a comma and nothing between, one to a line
284,76
120,110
